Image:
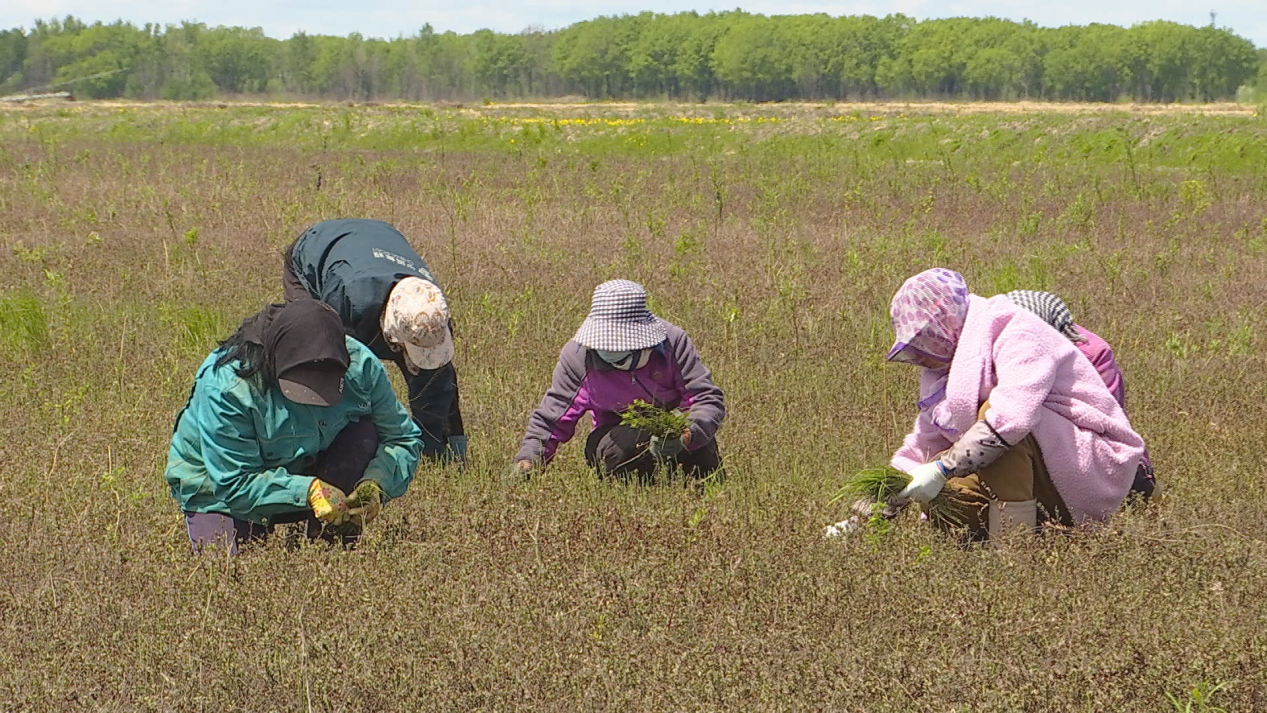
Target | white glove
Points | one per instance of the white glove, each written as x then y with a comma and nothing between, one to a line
926,482
844,527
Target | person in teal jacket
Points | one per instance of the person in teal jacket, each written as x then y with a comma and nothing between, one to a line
289,421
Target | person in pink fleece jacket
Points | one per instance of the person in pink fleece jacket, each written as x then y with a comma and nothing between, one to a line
1011,415
1053,310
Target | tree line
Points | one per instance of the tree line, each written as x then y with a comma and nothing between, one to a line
683,56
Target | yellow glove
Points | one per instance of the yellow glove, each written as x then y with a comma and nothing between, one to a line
328,503
365,502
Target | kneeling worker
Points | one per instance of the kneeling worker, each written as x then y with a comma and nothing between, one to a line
289,421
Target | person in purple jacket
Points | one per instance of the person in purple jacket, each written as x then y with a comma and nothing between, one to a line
622,353
1055,312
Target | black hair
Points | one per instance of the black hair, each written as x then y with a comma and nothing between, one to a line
246,347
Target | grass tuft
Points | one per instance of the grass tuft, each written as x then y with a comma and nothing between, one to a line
23,323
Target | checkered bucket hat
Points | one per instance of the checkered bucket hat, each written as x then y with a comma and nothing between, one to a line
1050,308
619,320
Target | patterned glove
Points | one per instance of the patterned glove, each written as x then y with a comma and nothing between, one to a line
977,448
365,502
328,503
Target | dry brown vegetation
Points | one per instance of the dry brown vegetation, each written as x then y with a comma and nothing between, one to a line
124,261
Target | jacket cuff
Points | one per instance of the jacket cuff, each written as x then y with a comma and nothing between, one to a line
904,463
299,486
699,438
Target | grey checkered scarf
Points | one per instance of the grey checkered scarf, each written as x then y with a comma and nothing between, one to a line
1050,308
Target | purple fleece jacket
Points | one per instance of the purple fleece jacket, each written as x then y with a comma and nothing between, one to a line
675,377
1101,356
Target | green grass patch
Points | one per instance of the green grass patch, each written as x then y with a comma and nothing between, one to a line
23,322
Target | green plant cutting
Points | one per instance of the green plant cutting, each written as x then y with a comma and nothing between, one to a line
880,484
654,420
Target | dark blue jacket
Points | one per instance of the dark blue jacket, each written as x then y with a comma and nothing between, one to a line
352,265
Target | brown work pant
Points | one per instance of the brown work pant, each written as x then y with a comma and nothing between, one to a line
1017,476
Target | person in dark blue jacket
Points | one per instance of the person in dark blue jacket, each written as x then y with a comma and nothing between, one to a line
390,302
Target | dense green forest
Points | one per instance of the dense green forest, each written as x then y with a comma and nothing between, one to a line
686,56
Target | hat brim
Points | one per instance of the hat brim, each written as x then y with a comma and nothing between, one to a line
432,357
613,336
904,353
317,384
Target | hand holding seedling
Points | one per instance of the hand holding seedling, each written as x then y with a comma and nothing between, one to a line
655,421
927,480
666,447
328,503
670,430
882,492
364,503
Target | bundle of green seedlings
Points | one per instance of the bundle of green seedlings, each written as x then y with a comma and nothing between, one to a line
654,420
877,485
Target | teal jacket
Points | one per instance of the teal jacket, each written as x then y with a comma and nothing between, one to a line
242,451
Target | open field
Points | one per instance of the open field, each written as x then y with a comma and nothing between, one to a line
577,105
133,237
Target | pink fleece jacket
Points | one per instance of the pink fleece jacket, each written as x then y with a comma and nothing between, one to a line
1036,382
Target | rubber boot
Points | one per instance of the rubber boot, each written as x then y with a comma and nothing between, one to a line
1006,516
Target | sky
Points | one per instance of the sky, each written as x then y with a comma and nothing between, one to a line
391,18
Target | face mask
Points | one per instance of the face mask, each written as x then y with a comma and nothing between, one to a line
911,356
625,361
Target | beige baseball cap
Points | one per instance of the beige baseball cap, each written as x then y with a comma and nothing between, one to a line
417,318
